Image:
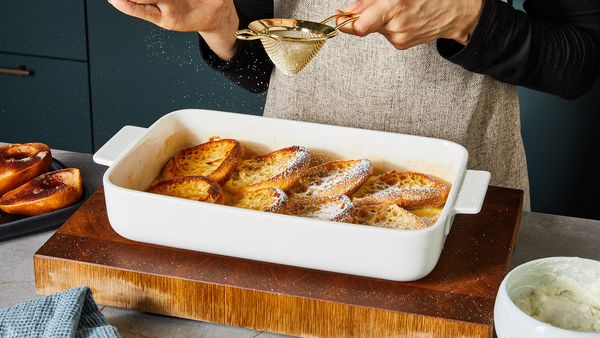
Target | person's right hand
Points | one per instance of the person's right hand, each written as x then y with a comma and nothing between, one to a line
215,20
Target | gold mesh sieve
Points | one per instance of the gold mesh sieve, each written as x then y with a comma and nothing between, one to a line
292,44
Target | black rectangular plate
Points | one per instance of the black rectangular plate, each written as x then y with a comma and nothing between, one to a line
17,225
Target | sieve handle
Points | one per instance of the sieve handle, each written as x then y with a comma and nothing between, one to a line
338,15
248,34
352,16
343,23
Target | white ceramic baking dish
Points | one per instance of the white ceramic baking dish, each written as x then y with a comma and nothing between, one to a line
136,155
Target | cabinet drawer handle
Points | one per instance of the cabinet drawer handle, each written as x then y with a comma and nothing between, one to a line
18,71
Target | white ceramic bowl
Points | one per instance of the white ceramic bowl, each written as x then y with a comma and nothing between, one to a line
510,321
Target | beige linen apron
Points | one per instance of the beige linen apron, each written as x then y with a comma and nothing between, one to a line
367,83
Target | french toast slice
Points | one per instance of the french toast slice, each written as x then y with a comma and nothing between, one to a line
281,169
333,179
409,190
19,163
47,192
215,159
196,188
268,199
428,215
388,216
337,209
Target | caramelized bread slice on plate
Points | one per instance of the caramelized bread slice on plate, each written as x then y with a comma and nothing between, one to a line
388,216
47,192
197,188
333,179
409,190
280,169
338,208
215,159
19,163
267,199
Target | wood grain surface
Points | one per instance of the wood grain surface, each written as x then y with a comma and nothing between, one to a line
456,299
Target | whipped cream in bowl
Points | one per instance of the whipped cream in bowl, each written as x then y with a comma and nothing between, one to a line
550,297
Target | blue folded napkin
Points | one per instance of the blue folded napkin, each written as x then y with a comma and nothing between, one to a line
71,313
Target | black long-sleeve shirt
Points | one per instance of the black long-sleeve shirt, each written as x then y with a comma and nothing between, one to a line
554,47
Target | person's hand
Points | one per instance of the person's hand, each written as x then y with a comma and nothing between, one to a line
215,20
407,23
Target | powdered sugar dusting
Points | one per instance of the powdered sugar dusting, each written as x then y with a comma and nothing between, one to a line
408,189
330,178
394,192
337,208
23,159
269,199
300,158
282,167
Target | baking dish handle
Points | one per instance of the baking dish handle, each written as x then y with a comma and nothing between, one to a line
472,192
118,144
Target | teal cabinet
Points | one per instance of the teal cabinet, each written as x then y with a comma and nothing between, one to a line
51,105
44,28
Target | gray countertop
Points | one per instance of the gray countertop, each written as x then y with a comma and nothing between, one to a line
541,235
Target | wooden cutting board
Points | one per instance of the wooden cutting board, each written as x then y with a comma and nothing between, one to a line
456,299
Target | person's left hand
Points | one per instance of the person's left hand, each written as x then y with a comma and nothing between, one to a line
407,23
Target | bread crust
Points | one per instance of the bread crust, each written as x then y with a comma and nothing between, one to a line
45,193
387,216
20,163
197,188
333,179
215,159
428,215
269,199
337,209
409,190
281,169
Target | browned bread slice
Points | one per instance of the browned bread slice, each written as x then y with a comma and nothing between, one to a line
20,163
281,169
267,199
428,215
333,179
215,159
196,188
409,190
388,216
47,192
338,208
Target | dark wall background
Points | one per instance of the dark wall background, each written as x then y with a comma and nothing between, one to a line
97,70
563,155
562,146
